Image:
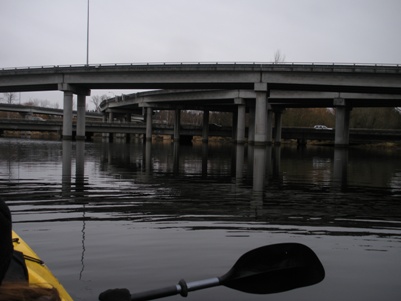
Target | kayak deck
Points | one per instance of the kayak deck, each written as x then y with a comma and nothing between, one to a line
38,272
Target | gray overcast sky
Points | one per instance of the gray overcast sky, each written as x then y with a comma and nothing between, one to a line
53,32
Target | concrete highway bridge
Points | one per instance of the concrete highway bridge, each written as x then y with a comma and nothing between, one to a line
261,90
29,111
301,134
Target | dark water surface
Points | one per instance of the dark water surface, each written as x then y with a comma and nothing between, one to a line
143,217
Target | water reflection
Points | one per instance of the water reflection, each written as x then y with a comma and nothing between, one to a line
67,160
260,164
156,205
340,167
80,168
148,157
66,167
260,155
173,170
239,162
221,182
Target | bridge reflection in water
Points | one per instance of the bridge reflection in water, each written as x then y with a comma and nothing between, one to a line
250,165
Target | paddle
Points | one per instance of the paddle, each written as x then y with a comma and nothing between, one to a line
265,270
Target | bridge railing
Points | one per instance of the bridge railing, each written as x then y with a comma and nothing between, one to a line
254,64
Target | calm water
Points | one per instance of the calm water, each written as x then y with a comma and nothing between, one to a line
143,217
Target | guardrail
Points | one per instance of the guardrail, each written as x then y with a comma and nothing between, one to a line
286,64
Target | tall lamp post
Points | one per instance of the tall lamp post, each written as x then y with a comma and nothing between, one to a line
87,37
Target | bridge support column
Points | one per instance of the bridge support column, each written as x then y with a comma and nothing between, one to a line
240,138
251,126
67,116
177,125
67,107
128,136
277,126
81,118
149,113
234,125
261,91
105,136
269,129
342,123
205,127
110,119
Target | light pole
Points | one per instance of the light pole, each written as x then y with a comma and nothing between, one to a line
87,37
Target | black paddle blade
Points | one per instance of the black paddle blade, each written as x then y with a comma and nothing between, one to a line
274,268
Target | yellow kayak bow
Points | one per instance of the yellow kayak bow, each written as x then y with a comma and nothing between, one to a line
38,272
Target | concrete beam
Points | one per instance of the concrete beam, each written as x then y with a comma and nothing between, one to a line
74,89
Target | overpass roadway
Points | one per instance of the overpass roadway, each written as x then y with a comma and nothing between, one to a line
25,110
300,134
260,78
241,101
225,100
284,76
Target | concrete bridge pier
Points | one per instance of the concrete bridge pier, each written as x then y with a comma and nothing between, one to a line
177,125
278,117
128,137
240,132
205,128
105,136
269,126
260,120
67,116
149,113
69,90
341,137
110,119
251,126
234,125
81,116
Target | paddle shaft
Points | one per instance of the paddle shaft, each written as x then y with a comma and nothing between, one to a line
181,288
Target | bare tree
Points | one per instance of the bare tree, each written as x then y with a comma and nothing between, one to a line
10,97
97,100
279,57
38,103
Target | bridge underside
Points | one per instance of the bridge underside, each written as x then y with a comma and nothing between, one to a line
240,102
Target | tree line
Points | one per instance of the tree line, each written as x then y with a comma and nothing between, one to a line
368,118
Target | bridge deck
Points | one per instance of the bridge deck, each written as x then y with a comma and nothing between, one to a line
356,135
316,77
